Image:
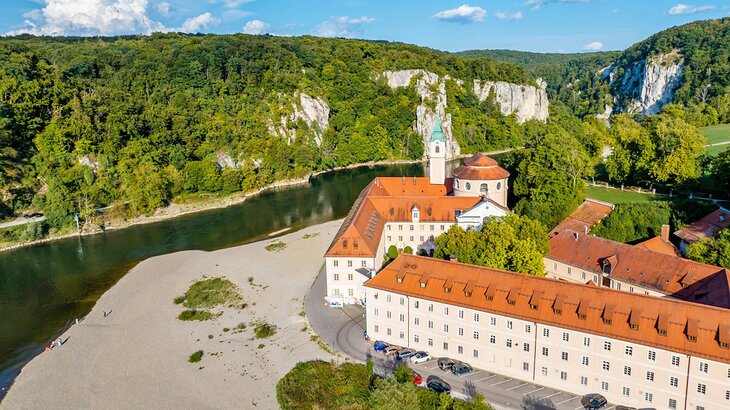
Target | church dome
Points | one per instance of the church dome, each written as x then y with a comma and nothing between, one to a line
480,167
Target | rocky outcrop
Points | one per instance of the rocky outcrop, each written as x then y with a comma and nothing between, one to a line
432,91
315,113
648,85
89,162
525,101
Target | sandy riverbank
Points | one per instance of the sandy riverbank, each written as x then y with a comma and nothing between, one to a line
137,356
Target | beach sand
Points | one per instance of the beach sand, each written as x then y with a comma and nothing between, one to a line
137,356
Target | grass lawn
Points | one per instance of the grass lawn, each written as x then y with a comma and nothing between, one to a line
717,149
717,133
616,196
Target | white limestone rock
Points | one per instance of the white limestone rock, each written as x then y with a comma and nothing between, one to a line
649,85
425,115
314,111
525,101
89,162
223,160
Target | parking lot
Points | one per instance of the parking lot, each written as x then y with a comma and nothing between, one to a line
504,392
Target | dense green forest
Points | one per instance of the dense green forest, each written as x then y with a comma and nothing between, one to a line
90,122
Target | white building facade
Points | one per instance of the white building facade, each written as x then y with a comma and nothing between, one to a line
627,370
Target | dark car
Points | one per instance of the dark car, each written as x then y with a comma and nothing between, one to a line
461,368
438,385
446,363
593,401
379,345
405,353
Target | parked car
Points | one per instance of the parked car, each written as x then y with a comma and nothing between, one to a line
461,368
420,357
405,353
445,363
392,349
416,378
438,385
593,401
379,345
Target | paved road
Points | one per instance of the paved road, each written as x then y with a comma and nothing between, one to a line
21,221
343,330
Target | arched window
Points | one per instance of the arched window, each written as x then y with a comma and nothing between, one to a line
483,188
468,186
499,186
438,149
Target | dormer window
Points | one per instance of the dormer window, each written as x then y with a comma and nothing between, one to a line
344,244
581,316
423,284
662,332
511,302
607,321
415,214
558,311
355,244
467,293
724,345
692,338
634,326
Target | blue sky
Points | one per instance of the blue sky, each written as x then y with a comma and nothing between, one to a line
531,25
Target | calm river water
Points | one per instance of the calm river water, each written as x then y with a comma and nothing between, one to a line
44,288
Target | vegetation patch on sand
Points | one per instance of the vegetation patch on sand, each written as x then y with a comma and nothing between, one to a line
325,385
276,246
263,330
207,294
310,235
196,357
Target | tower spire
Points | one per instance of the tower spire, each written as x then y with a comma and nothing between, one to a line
437,134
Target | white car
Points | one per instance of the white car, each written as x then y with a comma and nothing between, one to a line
420,357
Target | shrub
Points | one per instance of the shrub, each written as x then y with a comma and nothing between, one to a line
191,314
263,330
392,252
408,250
196,357
422,252
275,246
179,299
211,292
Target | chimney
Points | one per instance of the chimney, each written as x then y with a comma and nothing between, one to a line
576,236
585,229
414,180
453,258
665,232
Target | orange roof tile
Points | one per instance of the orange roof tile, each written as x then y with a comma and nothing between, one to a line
710,325
670,275
657,244
392,200
481,168
584,217
706,227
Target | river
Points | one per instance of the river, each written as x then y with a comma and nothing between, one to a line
44,288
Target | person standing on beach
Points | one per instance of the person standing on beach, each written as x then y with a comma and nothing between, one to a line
59,342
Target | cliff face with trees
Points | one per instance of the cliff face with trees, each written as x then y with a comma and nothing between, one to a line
688,65
91,122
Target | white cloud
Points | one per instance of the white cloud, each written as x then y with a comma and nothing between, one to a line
537,3
685,9
463,14
508,16
90,18
231,4
342,26
195,24
256,27
593,46
101,18
164,8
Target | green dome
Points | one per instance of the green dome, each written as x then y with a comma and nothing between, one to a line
437,134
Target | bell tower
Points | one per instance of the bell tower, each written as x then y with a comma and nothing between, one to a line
437,154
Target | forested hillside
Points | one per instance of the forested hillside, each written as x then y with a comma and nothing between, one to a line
688,65
91,122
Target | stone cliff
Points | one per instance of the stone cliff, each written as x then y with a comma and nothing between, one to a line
648,85
314,111
527,102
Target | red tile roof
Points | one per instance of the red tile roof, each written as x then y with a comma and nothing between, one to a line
706,227
480,167
657,244
584,217
391,200
492,288
670,275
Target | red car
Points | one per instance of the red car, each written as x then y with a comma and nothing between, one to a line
416,378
